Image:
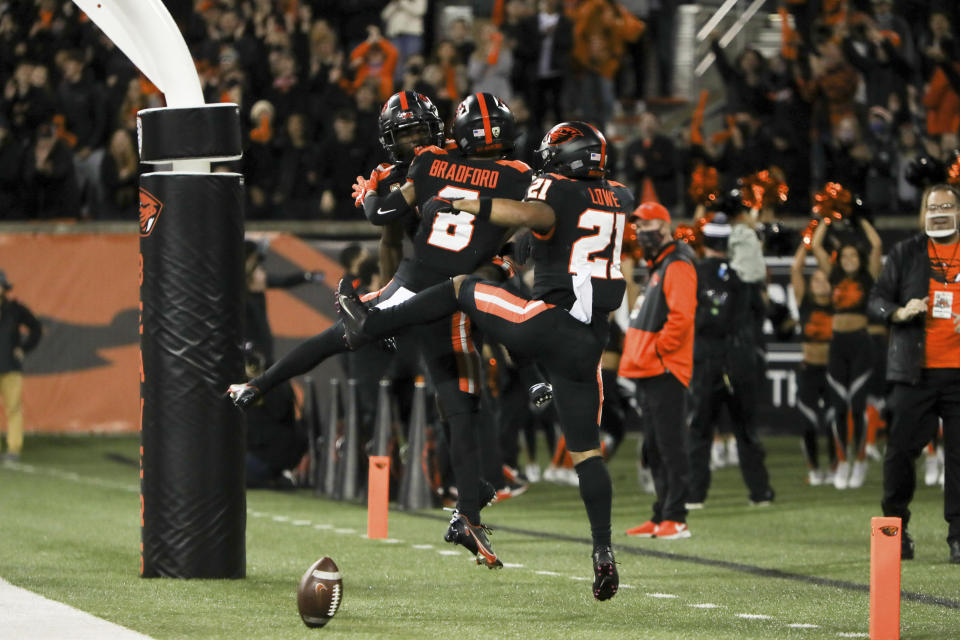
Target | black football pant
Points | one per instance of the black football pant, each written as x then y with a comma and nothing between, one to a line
453,367
726,378
812,401
848,374
915,409
568,350
662,400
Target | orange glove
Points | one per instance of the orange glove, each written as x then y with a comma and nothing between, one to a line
363,187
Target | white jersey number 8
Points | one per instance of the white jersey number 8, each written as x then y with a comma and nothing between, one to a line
453,231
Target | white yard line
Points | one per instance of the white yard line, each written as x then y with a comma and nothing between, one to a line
24,614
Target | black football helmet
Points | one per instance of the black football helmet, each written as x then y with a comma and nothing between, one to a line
575,150
402,111
484,123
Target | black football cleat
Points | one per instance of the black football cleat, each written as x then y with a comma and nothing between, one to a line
606,580
955,552
353,312
473,539
541,395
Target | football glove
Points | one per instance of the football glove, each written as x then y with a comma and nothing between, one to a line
436,205
243,395
363,187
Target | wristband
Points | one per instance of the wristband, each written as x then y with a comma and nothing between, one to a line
486,204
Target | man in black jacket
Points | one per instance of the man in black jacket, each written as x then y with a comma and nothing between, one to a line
14,317
918,293
724,370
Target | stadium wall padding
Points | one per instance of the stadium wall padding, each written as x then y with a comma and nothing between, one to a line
84,375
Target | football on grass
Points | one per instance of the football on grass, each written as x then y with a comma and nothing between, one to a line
319,593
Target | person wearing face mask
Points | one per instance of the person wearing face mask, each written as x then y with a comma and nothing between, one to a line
918,295
658,354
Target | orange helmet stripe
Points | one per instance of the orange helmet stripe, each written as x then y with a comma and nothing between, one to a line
488,135
603,146
403,101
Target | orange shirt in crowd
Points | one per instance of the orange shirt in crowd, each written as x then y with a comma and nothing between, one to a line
942,340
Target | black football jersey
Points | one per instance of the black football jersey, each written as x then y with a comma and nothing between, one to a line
451,244
577,262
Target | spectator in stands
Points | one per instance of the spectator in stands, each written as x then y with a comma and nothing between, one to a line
833,86
942,97
19,334
29,98
447,77
298,181
460,36
880,191
286,93
658,42
847,156
918,294
544,42
908,150
888,21
491,64
601,31
259,161
82,103
403,25
936,43
885,70
48,176
339,160
747,149
11,160
373,60
746,82
119,177
652,164
130,102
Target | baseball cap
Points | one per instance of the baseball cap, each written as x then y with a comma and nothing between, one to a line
652,211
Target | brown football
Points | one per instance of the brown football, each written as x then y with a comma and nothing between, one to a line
319,593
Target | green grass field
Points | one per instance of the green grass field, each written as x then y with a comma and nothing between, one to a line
69,531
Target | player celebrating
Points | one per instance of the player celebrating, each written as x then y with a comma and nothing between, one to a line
578,219
444,245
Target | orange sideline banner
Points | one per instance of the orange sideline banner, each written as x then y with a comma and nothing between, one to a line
84,375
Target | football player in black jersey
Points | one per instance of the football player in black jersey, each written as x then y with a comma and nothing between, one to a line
578,218
445,244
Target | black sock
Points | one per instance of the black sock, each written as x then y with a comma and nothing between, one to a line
596,491
433,303
304,357
465,459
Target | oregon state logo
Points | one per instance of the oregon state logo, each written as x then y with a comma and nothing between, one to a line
564,134
150,208
890,530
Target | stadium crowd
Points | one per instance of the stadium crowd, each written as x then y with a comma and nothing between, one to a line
859,90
